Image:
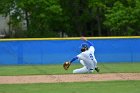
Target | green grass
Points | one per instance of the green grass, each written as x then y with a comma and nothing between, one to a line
58,69
120,67
77,87
85,87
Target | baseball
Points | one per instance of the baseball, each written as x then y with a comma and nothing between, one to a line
67,62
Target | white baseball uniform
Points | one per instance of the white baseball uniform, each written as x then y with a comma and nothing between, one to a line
87,59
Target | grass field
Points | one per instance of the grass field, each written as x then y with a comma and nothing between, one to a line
58,69
132,86
86,87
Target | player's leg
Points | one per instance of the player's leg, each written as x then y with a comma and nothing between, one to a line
95,62
96,67
81,70
82,62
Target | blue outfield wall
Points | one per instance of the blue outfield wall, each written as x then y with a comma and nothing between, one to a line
59,51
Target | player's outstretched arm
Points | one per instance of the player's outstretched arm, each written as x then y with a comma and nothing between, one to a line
88,42
66,65
75,58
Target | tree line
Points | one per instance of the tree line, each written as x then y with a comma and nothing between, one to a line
55,18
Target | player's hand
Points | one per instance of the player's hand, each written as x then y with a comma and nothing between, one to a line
83,38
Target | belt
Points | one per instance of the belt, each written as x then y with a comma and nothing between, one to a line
90,69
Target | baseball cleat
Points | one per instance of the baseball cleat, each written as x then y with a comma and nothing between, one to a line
97,69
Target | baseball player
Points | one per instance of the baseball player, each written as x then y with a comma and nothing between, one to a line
86,57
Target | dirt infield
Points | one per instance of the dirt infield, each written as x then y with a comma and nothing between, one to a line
68,78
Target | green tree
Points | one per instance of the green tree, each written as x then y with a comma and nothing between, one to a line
50,18
120,18
98,8
136,12
40,15
9,9
76,15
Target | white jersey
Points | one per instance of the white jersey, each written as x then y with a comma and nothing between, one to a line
88,58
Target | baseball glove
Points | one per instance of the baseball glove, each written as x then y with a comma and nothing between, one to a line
66,65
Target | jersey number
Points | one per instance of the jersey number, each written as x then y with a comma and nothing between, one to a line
91,56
